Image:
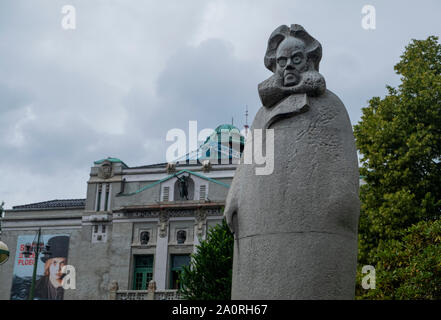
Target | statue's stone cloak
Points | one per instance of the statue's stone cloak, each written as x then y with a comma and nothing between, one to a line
296,229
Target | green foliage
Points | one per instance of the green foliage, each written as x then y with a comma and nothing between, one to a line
399,138
209,275
409,268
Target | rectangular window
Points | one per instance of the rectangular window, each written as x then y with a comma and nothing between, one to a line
106,202
176,264
143,271
98,201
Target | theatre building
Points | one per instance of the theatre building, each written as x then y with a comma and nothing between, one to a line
135,224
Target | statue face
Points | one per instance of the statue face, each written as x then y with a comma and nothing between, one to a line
291,60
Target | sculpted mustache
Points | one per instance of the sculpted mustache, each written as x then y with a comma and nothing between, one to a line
292,71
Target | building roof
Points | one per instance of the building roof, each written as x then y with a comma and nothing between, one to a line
151,166
212,144
54,204
110,159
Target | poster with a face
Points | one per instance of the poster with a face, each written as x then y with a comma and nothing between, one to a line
48,284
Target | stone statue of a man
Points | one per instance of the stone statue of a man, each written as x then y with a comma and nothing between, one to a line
183,187
296,229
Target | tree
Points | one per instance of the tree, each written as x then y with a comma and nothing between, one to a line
399,138
209,275
410,267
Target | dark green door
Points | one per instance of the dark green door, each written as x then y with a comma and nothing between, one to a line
143,272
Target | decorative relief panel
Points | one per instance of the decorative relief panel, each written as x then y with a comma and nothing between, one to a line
99,233
213,212
181,212
145,214
181,233
105,171
144,237
144,233
163,224
201,216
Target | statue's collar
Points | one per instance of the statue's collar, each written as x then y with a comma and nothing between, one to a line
288,107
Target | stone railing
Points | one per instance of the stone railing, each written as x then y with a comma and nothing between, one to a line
167,295
131,295
151,294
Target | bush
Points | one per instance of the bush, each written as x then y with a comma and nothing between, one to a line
209,275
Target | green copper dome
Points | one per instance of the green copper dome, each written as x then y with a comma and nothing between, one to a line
213,145
224,127
227,127
110,159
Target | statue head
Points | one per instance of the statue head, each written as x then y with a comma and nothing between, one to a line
291,60
291,52
152,285
113,286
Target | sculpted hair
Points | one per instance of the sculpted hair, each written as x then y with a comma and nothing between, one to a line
313,47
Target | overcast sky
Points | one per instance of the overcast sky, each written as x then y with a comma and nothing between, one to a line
132,70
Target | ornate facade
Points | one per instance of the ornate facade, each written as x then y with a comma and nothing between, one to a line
136,224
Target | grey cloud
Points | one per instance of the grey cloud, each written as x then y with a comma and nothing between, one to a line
12,98
135,69
204,83
208,83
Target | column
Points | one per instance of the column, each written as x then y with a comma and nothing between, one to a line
160,272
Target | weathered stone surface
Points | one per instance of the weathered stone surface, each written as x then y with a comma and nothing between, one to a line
296,229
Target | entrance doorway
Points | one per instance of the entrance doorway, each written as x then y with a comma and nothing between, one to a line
143,271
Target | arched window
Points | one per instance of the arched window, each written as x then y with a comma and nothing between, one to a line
181,236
